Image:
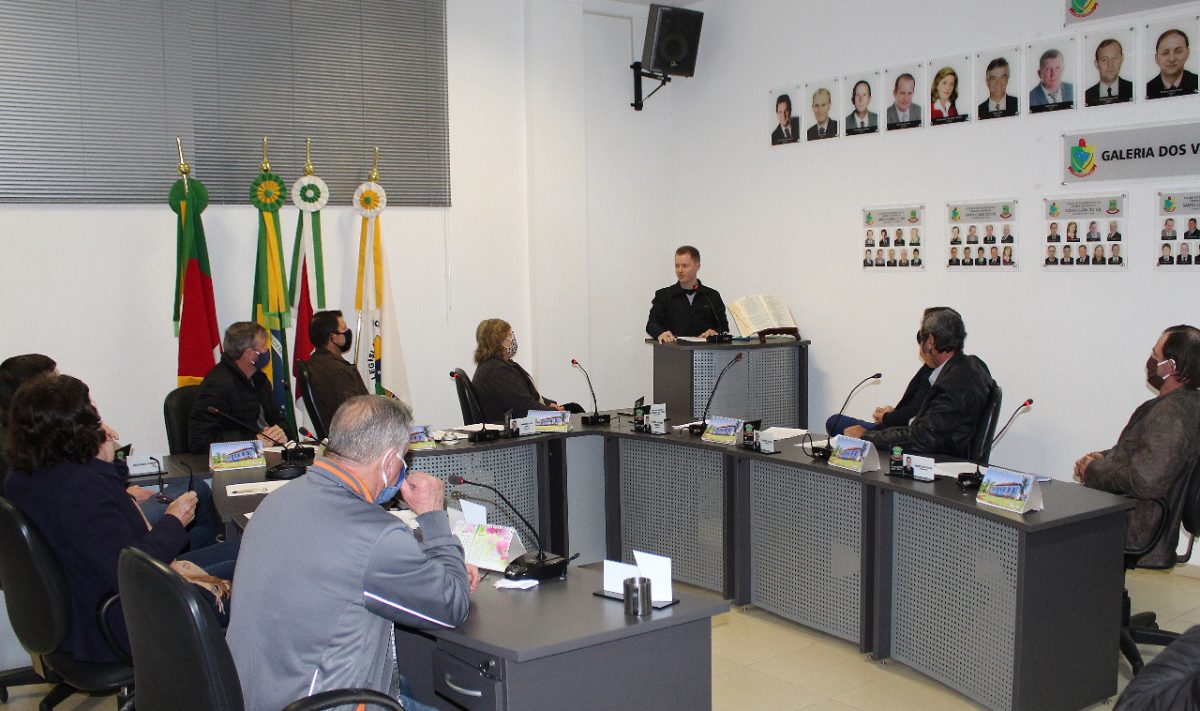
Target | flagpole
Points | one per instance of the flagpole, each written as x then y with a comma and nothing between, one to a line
373,177
184,169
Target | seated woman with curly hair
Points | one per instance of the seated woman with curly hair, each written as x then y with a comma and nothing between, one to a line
63,480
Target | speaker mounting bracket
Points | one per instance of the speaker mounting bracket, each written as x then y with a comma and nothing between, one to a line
638,73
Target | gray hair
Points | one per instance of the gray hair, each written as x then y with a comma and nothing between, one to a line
366,426
240,336
946,326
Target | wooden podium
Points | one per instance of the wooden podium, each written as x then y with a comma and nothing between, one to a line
769,384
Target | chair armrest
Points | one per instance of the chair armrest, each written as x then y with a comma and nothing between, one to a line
341,697
107,631
1159,531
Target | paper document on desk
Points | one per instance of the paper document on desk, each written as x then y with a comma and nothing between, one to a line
692,339
489,546
784,432
253,487
479,427
951,470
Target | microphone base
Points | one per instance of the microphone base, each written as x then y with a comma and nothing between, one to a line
697,430
483,436
299,454
285,471
822,454
720,338
530,567
596,420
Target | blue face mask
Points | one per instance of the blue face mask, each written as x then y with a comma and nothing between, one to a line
389,492
262,360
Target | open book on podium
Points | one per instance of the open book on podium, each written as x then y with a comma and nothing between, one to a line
763,315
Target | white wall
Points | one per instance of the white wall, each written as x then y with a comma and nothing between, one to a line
1076,343
567,205
91,285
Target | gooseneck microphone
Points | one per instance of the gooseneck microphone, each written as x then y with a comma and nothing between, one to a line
595,418
822,453
1011,417
722,337
697,429
972,480
532,566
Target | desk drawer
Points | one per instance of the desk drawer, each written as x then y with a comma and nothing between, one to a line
457,676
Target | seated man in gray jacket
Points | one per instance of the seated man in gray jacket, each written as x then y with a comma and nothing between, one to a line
325,572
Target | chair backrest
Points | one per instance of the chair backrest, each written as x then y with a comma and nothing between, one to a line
182,660
177,409
35,591
304,382
1191,502
985,427
471,412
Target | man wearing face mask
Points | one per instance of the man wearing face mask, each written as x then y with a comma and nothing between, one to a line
333,379
237,387
324,572
1158,447
959,385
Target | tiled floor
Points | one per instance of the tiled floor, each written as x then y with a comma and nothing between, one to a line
762,662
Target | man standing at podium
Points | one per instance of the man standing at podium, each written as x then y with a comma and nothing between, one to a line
686,308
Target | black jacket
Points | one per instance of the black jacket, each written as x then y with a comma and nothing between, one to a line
910,403
226,389
670,311
334,381
1169,681
501,386
86,517
946,419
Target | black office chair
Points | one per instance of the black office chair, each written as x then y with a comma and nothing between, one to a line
183,660
1142,628
39,606
304,382
177,409
985,427
471,412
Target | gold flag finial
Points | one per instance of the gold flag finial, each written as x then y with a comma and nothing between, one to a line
308,166
374,175
265,166
184,168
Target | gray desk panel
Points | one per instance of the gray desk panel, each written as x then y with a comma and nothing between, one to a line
673,504
954,598
511,469
806,535
761,387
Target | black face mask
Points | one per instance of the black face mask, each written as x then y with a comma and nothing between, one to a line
349,336
1155,380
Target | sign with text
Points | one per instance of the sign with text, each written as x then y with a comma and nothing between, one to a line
1158,151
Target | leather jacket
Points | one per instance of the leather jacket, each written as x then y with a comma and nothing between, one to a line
947,418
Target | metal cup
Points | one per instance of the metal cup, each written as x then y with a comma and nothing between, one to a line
637,597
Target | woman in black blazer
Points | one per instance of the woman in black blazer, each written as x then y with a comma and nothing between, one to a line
64,481
500,384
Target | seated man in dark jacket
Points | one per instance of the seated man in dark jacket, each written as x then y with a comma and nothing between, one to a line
687,307
334,380
1157,450
237,387
958,393
886,415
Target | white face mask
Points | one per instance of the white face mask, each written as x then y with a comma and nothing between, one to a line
511,351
